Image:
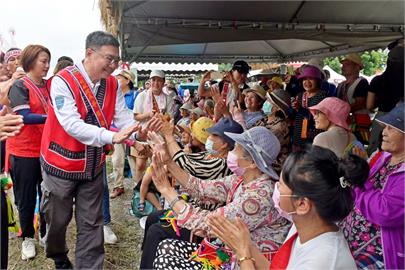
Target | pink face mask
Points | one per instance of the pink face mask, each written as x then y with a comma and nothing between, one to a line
232,161
276,200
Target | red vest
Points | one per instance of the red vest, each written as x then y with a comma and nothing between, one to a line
27,142
62,155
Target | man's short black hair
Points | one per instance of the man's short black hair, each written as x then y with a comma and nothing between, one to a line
100,38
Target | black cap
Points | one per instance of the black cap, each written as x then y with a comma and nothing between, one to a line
241,66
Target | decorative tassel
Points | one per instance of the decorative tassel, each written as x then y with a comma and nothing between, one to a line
171,219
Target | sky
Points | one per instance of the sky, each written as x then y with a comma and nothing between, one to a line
61,26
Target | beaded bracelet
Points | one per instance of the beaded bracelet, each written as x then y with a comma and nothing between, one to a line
172,203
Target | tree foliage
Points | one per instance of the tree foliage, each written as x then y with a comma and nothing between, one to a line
373,61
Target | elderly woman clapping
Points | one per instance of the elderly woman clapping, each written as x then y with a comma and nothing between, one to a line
246,194
375,228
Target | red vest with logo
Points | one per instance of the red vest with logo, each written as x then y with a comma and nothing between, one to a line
62,155
27,142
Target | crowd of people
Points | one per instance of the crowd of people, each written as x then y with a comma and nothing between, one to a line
288,172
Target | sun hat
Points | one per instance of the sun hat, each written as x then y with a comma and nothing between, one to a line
199,128
335,109
395,118
277,80
241,66
187,106
262,145
128,75
354,58
184,128
226,125
157,73
210,103
281,98
257,89
310,72
198,111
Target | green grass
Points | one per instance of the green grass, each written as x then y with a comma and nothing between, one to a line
124,255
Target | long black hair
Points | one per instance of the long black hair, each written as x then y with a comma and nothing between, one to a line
317,174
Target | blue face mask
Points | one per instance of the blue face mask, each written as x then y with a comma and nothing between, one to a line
209,146
267,107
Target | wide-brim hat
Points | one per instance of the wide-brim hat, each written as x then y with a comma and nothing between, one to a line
257,89
395,118
187,106
128,75
226,125
199,128
281,98
335,109
198,111
184,128
355,58
310,72
262,145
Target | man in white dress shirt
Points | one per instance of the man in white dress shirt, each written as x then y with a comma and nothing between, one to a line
84,103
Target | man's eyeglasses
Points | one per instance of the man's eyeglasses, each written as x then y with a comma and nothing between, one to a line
111,59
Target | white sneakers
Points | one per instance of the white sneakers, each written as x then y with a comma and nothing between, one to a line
28,249
109,235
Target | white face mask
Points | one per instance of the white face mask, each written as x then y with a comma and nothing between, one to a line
209,146
276,199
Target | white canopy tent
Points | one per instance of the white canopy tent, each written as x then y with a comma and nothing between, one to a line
257,31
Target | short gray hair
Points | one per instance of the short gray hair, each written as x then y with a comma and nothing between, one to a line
99,38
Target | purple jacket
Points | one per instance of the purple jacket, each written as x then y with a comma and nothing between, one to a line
386,208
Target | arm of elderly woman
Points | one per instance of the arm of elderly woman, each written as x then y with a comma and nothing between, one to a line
248,206
383,207
236,236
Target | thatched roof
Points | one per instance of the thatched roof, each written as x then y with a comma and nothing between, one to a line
110,15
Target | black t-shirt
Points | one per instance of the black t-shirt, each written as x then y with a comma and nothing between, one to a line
387,91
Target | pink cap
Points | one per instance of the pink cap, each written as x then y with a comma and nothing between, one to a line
335,109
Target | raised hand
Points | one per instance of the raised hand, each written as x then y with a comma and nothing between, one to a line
167,128
124,134
159,174
158,146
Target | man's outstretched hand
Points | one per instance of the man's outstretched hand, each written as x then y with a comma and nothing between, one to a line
124,134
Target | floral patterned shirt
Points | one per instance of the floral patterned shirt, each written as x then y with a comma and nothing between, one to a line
363,236
252,202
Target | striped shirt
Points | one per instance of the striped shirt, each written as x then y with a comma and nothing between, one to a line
205,167
202,165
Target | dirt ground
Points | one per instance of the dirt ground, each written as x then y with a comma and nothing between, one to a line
123,255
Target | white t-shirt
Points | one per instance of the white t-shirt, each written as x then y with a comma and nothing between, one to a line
327,251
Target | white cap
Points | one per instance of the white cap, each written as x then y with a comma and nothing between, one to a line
157,73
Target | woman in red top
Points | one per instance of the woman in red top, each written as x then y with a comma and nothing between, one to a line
29,97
